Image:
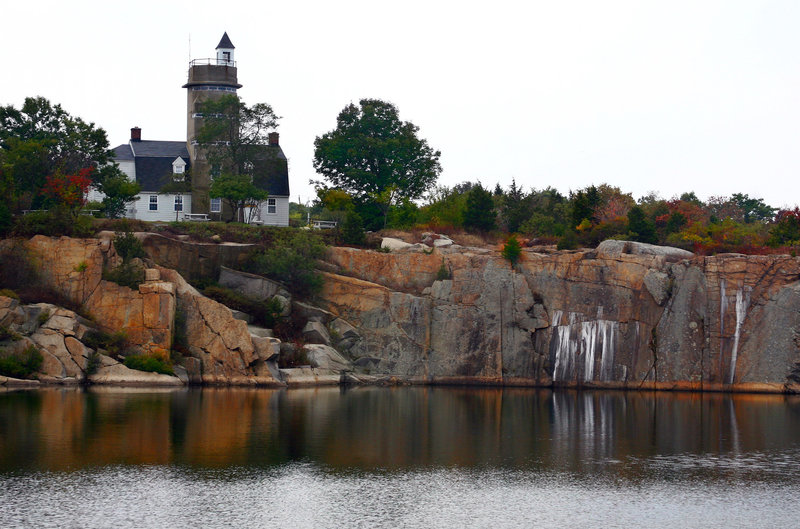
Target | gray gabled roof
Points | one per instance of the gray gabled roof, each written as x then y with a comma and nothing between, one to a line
152,172
159,149
225,42
123,153
153,160
272,173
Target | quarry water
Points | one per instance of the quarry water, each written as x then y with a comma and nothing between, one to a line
397,457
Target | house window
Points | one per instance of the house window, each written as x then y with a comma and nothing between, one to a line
178,169
153,202
178,202
216,205
272,205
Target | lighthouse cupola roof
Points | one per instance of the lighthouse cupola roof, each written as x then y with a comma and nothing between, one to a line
225,51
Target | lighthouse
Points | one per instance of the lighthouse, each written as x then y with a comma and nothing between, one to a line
209,79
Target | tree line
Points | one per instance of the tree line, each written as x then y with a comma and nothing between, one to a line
377,172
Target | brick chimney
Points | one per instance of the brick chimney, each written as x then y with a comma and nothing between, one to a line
273,138
136,134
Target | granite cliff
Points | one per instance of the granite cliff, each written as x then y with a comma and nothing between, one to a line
625,315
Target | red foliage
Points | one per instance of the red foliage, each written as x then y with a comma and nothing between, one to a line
693,212
788,214
69,190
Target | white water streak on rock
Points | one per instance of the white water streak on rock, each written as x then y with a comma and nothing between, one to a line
595,338
588,343
723,306
742,303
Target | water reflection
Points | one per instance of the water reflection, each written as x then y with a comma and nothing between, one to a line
626,434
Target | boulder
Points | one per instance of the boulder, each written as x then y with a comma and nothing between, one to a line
114,373
345,334
611,249
315,332
307,376
267,349
285,303
251,285
309,312
326,357
239,315
390,243
260,331
658,284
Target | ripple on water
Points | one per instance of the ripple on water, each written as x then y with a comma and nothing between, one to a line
304,495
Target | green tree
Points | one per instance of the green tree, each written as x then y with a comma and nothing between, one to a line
584,202
352,230
512,250
239,192
786,229
640,227
234,135
42,139
753,209
479,213
515,208
371,151
119,190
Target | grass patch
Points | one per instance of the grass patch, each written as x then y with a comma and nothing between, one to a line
43,317
149,363
7,292
128,274
21,365
113,343
8,334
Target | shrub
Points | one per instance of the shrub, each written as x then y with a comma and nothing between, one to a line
568,242
443,272
127,245
291,263
512,250
21,365
8,334
150,363
7,292
266,313
353,229
56,222
293,358
93,363
128,274
43,317
114,343
17,271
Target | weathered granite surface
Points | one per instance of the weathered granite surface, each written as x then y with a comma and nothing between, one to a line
624,315
221,347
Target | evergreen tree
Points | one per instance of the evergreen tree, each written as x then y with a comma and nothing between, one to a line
515,209
479,213
641,228
353,229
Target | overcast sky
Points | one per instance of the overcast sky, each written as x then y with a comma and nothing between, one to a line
668,96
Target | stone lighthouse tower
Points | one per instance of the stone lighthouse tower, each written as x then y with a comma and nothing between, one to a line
209,79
